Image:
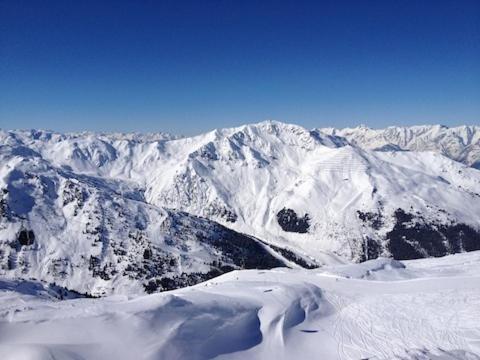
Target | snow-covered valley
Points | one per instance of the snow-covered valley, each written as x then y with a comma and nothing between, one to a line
380,309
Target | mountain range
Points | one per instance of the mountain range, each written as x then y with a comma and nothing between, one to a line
128,213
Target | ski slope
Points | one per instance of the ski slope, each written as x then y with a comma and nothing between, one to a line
380,309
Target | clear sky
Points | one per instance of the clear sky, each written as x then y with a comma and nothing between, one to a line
190,66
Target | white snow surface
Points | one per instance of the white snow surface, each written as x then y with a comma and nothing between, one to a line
381,309
98,235
461,143
250,173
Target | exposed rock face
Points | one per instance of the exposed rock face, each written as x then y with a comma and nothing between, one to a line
289,221
26,237
373,219
412,237
371,249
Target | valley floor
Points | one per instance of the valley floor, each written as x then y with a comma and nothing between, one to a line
381,309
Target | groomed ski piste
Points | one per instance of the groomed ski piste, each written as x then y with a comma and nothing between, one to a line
379,309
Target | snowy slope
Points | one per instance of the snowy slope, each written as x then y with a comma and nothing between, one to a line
421,309
305,190
99,236
460,143
245,177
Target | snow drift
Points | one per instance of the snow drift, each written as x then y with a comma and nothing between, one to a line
415,312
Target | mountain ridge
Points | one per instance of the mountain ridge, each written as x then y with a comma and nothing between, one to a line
313,197
460,143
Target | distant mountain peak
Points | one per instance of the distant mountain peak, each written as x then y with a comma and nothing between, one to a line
461,143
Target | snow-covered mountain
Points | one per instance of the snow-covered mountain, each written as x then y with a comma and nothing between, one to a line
99,236
123,203
308,191
460,143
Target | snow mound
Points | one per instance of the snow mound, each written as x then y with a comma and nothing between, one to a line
380,268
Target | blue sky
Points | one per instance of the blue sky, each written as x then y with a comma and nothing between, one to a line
190,66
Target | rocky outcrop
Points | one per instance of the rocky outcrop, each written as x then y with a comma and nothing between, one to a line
290,222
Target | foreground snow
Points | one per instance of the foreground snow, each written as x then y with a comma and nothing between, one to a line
381,309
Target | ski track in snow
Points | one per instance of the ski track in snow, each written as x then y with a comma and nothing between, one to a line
428,309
